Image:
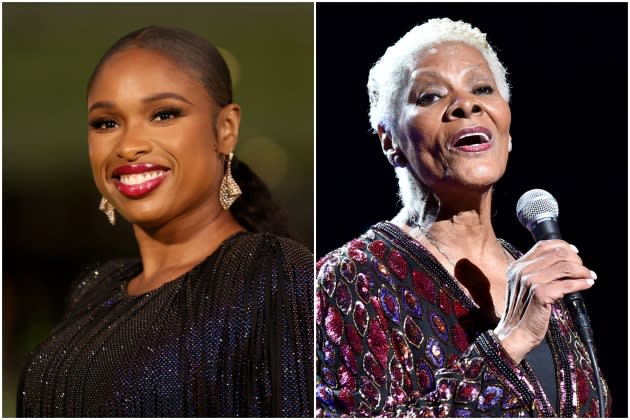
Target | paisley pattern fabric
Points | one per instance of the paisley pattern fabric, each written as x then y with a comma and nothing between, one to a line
397,336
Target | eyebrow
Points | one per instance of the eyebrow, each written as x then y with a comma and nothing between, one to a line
151,98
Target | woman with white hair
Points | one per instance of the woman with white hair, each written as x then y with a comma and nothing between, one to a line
430,314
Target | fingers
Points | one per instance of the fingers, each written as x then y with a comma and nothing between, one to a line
549,293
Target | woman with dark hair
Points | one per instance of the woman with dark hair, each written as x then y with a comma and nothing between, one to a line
214,318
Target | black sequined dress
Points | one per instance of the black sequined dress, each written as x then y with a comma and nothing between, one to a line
232,337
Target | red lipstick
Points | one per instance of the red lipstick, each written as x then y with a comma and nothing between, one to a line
136,180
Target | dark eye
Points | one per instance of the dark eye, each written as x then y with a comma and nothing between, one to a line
103,124
427,98
483,90
166,114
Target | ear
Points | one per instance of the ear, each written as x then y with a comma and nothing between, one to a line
228,123
386,140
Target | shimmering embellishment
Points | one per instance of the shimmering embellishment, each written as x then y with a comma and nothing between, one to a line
398,393
410,302
473,368
510,401
343,298
329,377
382,272
489,398
583,385
445,303
348,269
329,353
425,376
378,249
346,378
444,410
377,343
334,325
439,326
360,317
363,286
325,395
390,305
395,370
434,352
423,285
357,244
372,368
467,392
327,279
413,333
346,399
369,392
460,310
358,256
452,361
445,388
320,306
402,350
349,358
458,335
354,339
462,412
397,264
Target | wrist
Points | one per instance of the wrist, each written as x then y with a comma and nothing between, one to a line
515,344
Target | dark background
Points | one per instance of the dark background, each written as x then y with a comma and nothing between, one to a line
52,228
567,64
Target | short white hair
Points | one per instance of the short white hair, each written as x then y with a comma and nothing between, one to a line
391,72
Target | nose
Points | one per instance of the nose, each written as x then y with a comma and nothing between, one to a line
133,144
464,106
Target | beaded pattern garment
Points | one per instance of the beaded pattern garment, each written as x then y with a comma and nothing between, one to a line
398,336
232,337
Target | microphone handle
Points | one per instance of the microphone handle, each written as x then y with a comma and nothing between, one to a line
549,229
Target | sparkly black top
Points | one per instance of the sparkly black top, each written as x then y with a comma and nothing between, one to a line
232,337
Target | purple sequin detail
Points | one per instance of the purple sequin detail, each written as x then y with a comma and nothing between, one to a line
411,303
348,269
425,376
325,394
360,317
413,332
372,368
489,398
382,272
329,353
467,392
390,305
445,388
510,401
329,377
462,412
343,298
435,353
363,286
369,392
439,326
328,279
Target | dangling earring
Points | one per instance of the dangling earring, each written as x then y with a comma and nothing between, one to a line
510,145
108,209
229,190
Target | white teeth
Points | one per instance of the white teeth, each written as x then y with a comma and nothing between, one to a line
135,179
484,135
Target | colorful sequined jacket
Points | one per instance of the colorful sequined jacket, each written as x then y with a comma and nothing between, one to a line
397,336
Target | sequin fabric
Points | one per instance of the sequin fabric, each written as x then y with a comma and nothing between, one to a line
403,339
233,337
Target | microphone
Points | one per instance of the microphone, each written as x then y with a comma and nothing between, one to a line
537,211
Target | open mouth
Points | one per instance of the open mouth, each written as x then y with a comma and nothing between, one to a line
136,179
472,139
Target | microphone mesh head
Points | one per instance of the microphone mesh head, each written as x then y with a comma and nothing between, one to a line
536,205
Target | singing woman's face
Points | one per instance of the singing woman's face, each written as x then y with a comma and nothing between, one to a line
454,125
153,148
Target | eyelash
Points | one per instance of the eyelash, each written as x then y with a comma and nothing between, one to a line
108,123
425,98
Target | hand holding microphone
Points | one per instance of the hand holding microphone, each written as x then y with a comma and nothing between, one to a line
551,270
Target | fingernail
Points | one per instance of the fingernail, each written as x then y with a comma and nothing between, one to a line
590,282
593,274
574,248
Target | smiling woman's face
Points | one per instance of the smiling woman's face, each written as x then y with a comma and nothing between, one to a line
454,125
154,150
